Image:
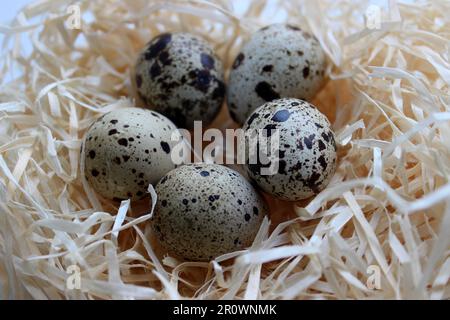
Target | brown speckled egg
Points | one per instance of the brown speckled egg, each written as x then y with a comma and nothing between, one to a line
205,210
279,61
126,150
306,151
179,75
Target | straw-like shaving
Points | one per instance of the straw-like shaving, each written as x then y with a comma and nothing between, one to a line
385,217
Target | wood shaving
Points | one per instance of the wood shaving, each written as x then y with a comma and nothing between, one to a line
380,230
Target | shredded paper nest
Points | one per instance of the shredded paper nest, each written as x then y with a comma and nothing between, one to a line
380,230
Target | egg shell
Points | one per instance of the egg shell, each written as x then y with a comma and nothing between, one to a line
205,210
307,149
180,76
278,61
126,150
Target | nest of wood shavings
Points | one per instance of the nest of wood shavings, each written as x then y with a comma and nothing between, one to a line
380,230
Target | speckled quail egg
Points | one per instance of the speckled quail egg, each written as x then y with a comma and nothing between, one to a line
179,75
278,61
306,149
205,210
125,150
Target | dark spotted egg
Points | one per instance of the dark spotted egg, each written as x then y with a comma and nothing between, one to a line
306,149
278,61
126,150
179,75
205,210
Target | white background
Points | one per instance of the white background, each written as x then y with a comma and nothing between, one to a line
9,8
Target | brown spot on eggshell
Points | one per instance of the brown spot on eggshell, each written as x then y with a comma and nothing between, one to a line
305,72
238,61
123,142
266,92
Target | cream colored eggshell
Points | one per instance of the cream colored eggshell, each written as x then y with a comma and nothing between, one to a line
279,61
179,75
307,149
205,210
127,149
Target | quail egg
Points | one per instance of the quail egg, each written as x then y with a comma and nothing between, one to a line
306,149
179,75
205,210
278,61
126,150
